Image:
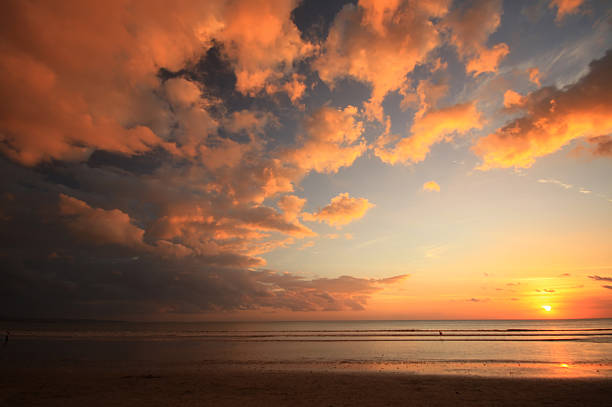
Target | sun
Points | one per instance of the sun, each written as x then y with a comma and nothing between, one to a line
547,308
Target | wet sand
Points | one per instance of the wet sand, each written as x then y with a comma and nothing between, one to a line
254,384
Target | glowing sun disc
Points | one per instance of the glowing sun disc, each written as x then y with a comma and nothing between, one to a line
546,308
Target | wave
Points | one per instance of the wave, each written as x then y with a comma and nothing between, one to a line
335,336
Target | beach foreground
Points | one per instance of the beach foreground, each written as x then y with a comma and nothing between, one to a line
149,384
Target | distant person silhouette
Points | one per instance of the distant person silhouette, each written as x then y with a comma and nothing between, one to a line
440,333
6,338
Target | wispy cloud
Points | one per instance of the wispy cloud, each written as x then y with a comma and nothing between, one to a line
478,299
432,252
555,182
600,278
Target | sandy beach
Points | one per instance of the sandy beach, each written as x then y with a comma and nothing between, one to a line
275,364
148,384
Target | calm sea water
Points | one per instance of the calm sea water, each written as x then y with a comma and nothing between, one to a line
529,341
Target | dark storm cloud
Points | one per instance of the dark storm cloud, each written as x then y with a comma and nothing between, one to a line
49,276
76,241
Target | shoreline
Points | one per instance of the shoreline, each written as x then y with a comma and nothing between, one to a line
189,355
255,384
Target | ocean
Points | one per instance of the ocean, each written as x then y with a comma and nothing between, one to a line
489,347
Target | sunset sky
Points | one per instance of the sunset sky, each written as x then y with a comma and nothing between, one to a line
252,159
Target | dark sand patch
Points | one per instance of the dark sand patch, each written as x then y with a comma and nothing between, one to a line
216,385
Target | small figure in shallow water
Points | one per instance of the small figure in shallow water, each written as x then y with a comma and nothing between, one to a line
440,333
6,338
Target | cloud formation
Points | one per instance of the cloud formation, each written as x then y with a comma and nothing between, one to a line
332,140
100,226
101,89
487,60
400,33
291,206
512,99
601,278
326,294
555,182
167,150
261,41
431,186
552,119
534,76
565,7
433,127
95,91
470,25
133,270
342,210
603,145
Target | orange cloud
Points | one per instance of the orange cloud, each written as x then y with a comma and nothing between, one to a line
246,172
433,127
512,99
291,206
565,7
342,210
534,75
295,88
94,90
553,118
431,186
101,90
363,36
228,229
261,40
487,60
332,140
471,25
